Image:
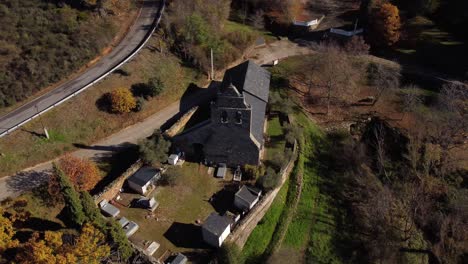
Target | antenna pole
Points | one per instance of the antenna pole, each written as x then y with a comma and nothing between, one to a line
46,133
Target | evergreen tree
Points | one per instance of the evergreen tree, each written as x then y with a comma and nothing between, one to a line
91,211
118,239
73,205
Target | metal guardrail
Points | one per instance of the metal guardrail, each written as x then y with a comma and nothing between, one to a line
129,57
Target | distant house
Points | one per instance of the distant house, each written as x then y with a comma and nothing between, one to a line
234,133
246,198
215,229
108,209
179,259
143,178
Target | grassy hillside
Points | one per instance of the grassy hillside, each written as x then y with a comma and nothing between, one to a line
41,43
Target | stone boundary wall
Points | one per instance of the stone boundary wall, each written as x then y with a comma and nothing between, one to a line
245,227
174,129
113,188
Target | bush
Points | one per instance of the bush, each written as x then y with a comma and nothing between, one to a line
155,149
252,172
152,88
270,180
140,103
122,101
278,160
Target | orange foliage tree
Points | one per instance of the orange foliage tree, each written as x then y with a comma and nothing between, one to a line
88,247
122,100
386,25
83,173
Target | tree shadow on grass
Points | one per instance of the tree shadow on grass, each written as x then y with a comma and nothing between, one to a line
185,236
223,200
39,224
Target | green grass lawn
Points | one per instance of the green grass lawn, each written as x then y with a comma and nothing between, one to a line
232,26
297,235
277,142
179,207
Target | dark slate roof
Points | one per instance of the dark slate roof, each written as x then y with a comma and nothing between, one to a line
249,77
216,223
144,175
246,194
254,82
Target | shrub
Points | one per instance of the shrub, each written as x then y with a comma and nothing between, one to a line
252,172
154,150
152,88
277,161
122,101
140,103
170,177
270,180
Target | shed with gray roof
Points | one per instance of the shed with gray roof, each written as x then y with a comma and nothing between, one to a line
246,198
216,228
143,179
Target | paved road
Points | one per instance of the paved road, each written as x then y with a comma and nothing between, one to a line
136,35
14,185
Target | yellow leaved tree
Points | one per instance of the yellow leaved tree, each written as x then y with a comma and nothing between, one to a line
122,100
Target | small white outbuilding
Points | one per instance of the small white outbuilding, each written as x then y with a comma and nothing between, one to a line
173,158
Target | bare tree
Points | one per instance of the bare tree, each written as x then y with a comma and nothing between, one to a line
383,79
333,71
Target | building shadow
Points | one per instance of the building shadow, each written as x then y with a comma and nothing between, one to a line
193,96
185,236
223,200
27,180
115,163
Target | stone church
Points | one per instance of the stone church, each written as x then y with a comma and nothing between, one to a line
234,132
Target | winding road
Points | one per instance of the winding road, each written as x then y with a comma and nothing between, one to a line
147,20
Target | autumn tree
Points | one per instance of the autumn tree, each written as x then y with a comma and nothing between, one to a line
122,101
6,233
88,247
385,25
83,173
